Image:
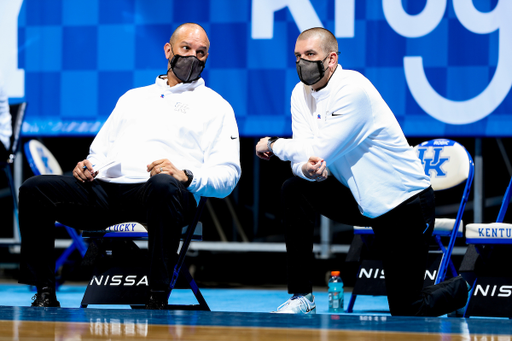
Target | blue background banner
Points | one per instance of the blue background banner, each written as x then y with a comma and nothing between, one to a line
443,66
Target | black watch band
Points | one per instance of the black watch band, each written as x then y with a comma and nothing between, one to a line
270,141
190,177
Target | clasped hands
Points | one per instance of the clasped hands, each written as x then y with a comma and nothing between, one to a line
84,171
315,168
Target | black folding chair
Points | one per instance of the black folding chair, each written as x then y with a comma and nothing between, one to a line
120,267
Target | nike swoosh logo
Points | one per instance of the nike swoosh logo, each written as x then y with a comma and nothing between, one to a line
333,114
233,137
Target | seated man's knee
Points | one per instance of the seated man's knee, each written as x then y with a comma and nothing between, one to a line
162,186
33,186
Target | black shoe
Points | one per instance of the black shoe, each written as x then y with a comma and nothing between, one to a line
157,301
45,299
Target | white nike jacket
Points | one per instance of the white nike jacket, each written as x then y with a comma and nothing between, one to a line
351,127
189,124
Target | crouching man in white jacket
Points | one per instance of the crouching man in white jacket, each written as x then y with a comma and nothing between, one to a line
353,165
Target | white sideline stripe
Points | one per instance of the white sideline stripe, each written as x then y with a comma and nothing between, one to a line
441,225
238,246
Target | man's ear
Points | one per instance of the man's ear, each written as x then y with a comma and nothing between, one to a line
167,50
333,59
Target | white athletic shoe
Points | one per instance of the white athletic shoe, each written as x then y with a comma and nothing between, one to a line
298,304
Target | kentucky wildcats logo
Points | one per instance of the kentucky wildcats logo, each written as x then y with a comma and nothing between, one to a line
181,107
434,163
44,159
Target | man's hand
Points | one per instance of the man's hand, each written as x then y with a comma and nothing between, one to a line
316,169
262,149
84,172
165,166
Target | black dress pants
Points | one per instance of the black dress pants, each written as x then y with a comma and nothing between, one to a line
405,231
4,154
162,202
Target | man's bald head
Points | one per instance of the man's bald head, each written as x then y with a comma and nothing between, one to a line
187,27
327,39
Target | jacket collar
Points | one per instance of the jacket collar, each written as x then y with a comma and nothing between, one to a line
161,82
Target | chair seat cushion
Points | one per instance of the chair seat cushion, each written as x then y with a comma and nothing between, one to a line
493,233
127,227
136,230
443,227
363,230
128,230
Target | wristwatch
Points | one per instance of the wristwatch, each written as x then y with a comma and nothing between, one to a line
270,141
190,177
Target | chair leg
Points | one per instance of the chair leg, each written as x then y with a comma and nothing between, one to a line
77,240
186,242
64,256
195,289
77,243
7,170
470,294
351,303
179,269
445,264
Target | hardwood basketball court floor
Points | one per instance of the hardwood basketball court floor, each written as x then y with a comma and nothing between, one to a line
236,315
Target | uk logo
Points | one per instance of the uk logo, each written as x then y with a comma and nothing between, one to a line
433,164
181,107
44,159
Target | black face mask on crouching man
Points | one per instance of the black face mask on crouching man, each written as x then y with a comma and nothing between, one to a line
186,68
310,71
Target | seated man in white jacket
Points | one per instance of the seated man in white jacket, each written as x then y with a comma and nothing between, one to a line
169,143
353,164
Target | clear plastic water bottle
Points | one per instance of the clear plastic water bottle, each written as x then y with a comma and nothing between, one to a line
335,293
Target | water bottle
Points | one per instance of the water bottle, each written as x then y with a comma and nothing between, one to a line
335,293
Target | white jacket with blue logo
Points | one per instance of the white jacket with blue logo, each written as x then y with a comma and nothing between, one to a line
189,124
351,127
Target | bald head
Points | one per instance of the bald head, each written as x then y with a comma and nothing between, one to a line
327,40
186,41
188,28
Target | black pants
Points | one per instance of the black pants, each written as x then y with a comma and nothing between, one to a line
4,154
163,203
405,231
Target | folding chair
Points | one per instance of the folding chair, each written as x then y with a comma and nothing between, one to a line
121,267
17,116
491,293
42,161
448,164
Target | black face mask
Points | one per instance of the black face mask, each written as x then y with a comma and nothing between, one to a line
310,71
186,68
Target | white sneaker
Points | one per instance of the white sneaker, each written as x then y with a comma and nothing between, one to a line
298,304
